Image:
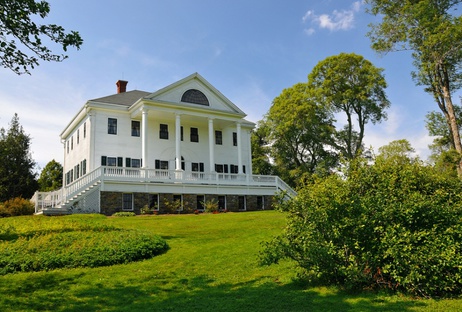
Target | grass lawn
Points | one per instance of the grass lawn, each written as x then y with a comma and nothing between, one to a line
211,266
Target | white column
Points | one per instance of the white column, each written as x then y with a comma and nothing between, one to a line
211,146
91,131
178,142
144,137
249,146
239,148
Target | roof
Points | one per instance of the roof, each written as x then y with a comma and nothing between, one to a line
125,98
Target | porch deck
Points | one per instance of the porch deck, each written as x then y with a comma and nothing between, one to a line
56,201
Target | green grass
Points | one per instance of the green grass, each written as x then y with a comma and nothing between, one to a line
211,266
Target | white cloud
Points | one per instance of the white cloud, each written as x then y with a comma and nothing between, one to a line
337,20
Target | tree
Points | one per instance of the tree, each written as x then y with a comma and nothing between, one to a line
350,84
51,177
17,176
434,33
444,155
300,131
261,163
17,20
398,152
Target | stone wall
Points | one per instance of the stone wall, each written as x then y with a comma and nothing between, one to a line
111,202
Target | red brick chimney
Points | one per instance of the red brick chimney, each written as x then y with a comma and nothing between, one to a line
121,86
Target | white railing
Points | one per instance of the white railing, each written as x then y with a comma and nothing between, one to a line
57,198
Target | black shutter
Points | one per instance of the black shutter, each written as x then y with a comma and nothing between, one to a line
103,160
201,167
120,161
157,164
128,162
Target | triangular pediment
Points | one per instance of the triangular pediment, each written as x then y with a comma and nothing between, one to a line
194,90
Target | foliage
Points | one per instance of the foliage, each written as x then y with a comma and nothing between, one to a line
391,224
444,155
173,206
18,21
261,164
299,132
74,244
210,205
17,207
17,176
51,177
433,31
350,84
124,214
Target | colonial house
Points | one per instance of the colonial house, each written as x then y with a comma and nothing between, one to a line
185,144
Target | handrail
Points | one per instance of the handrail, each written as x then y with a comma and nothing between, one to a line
145,175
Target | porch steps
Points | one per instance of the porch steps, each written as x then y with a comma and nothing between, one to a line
65,208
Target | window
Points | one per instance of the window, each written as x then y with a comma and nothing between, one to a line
180,199
161,164
153,201
218,137
78,136
84,130
163,133
242,202
219,168
72,143
234,169
260,203
197,167
200,199
84,167
111,161
234,139
127,201
135,128
132,162
194,135
222,202
136,163
195,96
112,126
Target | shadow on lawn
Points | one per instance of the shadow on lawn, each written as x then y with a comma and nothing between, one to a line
45,292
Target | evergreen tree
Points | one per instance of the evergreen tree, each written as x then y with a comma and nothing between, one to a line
17,176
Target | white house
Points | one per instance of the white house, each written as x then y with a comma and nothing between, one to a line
132,149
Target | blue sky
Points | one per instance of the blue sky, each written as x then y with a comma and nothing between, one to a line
249,50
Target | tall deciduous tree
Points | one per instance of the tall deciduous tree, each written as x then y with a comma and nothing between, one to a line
350,84
17,176
261,163
300,131
17,21
433,31
51,177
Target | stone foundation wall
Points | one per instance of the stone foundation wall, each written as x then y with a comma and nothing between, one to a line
111,202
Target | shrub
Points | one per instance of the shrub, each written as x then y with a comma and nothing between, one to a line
210,205
124,214
17,207
75,244
395,225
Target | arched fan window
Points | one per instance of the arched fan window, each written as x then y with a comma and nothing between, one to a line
195,96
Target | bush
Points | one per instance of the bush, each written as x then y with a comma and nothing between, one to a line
394,225
17,207
124,214
210,205
74,244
